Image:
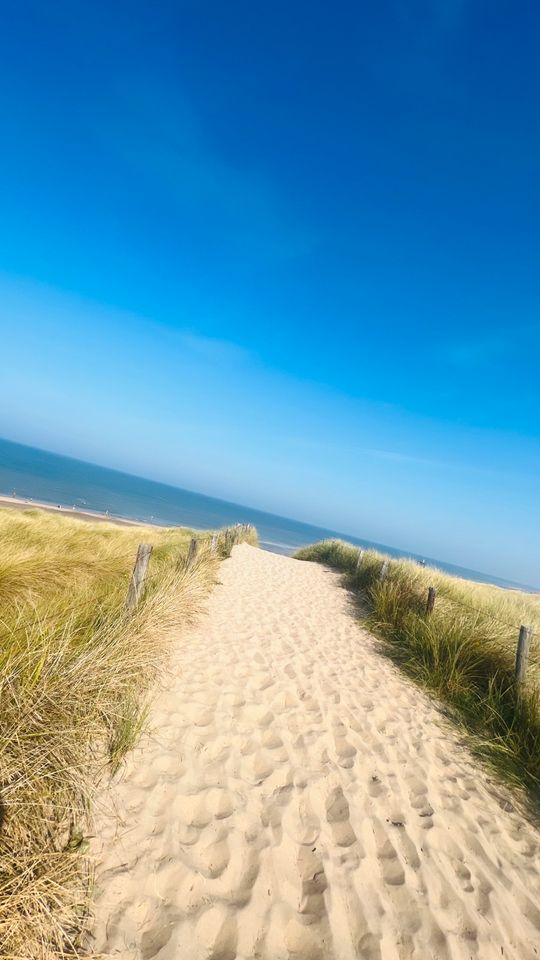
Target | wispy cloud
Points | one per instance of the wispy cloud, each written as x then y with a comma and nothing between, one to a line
448,14
400,457
361,452
164,141
490,348
476,352
212,350
440,16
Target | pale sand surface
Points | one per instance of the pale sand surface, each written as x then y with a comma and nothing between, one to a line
299,798
20,503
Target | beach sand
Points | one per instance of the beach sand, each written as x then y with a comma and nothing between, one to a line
298,798
20,503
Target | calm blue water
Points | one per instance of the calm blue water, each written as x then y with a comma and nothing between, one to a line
40,475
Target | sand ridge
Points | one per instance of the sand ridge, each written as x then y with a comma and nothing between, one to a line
299,799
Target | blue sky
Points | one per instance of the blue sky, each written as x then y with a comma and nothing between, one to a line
285,254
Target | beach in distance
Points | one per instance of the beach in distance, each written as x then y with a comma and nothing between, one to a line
269,461
51,480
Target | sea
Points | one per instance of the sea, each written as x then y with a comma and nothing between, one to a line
29,473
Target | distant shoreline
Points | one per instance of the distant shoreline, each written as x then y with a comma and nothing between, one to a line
32,473
26,503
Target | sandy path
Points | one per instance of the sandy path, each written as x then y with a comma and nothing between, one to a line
298,799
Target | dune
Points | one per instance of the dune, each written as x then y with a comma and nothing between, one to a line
297,798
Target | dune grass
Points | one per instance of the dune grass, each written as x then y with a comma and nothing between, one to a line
464,651
75,675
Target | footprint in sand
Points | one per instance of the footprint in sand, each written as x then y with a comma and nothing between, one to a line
284,808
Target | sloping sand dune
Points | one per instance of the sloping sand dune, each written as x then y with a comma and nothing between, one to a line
298,798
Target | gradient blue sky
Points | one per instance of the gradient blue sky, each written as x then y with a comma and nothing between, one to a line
286,254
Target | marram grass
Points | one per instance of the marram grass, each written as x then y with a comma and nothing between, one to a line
464,651
75,676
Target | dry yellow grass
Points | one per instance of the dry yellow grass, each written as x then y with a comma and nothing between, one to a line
464,650
75,672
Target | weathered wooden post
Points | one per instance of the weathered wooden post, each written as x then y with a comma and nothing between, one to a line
192,552
431,594
138,576
213,543
384,570
359,560
522,653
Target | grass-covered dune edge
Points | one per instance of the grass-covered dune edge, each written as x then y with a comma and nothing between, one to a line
463,651
76,670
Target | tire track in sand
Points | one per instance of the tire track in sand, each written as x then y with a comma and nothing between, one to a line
298,799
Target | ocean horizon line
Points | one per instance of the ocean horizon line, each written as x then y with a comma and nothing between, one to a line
19,465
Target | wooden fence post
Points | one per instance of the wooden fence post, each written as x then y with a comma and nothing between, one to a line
213,543
138,576
359,560
431,594
192,552
522,653
384,570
